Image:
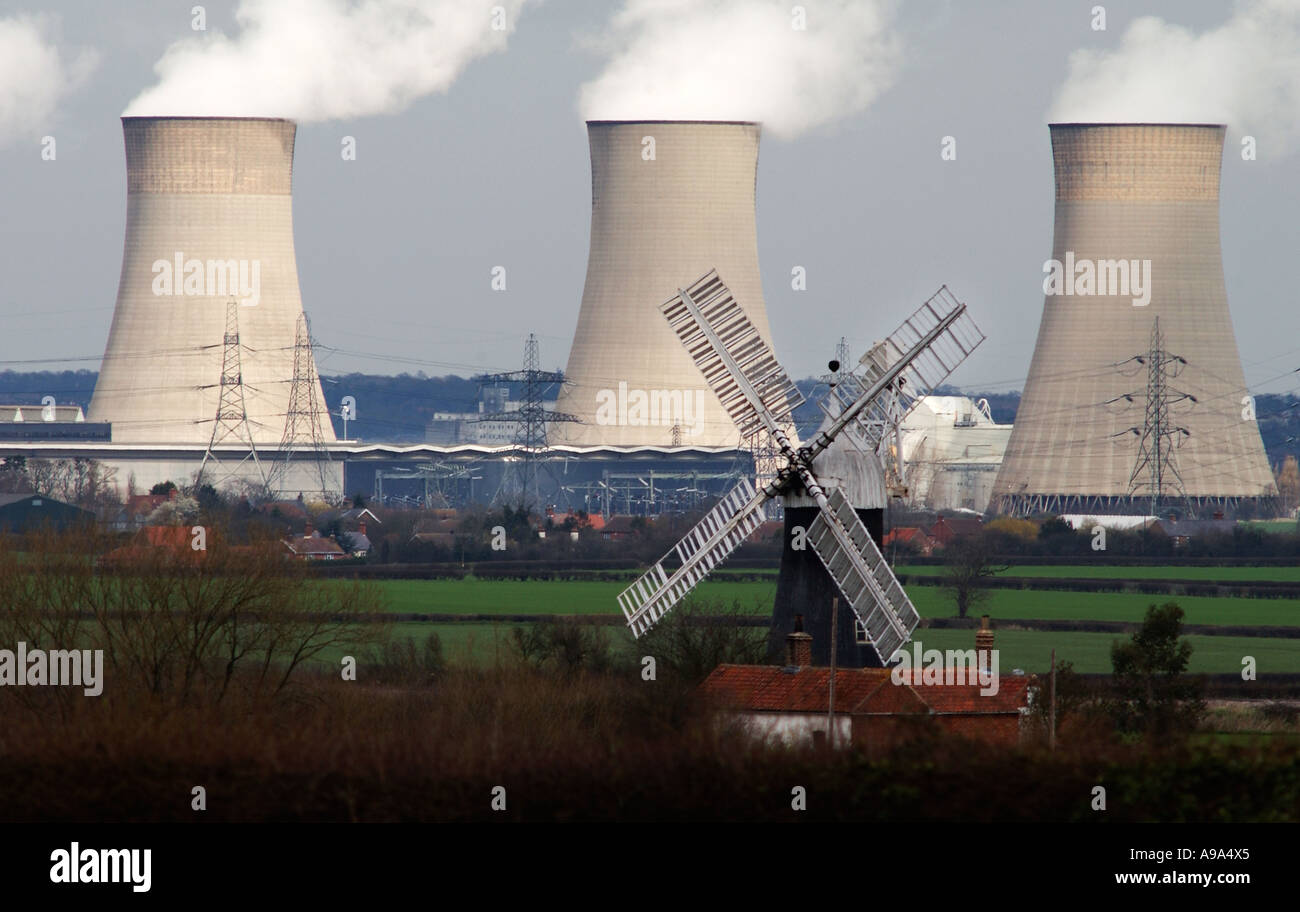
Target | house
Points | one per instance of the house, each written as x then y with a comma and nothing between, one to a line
575,522
352,530
947,529
293,511
1182,531
137,509
768,530
910,538
621,526
29,512
311,545
356,544
875,708
359,515
439,527
149,541
893,712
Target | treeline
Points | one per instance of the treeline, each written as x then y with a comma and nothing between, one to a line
30,387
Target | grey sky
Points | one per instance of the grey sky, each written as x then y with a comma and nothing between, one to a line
395,249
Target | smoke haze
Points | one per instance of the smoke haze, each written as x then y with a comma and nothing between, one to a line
313,60
1244,72
743,60
34,76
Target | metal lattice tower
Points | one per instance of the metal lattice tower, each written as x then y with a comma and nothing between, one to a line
232,413
519,480
302,424
1160,437
842,356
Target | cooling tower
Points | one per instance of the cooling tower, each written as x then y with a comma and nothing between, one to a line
670,201
1147,194
209,215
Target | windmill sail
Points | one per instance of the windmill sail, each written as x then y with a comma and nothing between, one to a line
708,544
926,367
843,544
759,397
736,362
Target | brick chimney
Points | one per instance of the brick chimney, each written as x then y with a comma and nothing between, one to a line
361,526
306,532
983,643
798,646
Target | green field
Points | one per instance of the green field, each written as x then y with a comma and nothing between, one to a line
505,597
1090,652
566,597
931,601
1106,571
485,644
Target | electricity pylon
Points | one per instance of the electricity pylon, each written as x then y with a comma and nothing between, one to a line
519,477
1160,437
302,422
232,415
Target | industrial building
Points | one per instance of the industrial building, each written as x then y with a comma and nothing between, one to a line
670,201
1135,399
209,219
952,450
479,427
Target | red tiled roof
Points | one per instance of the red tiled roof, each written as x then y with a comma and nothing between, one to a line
591,520
620,524
945,529
316,545
1012,695
773,689
770,688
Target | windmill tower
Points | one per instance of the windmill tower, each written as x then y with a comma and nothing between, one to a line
756,392
1136,238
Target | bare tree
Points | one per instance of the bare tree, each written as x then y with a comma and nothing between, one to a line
969,561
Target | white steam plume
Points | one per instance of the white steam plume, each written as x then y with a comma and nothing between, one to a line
34,76
1244,72
743,60
313,60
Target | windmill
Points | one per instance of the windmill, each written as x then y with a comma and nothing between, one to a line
759,396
